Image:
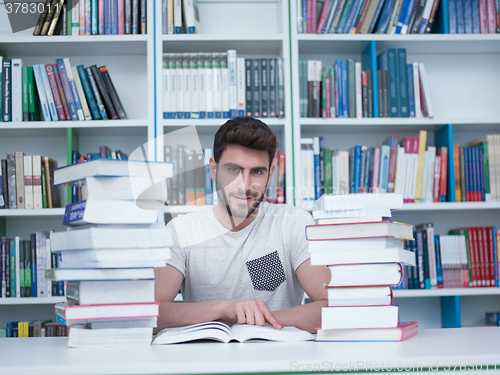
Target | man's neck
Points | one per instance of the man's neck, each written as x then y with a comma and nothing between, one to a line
233,224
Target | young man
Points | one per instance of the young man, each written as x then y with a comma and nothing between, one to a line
241,261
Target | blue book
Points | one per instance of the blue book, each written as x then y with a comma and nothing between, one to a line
93,18
75,155
459,7
403,14
208,185
452,16
475,17
444,137
352,15
411,90
317,170
352,157
114,17
345,91
467,173
477,183
304,16
481,173
402,80
107,17
387,60
375,17
416,268
67,89
339,87
345,15
60,284
420,259
468,16
369,62
410,274
385,17
34,288
495,256
406,20
357,168
385,157
74,91
11,327
89,94
362,171
439,266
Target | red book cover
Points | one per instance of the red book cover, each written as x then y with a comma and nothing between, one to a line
490,236
310,27
393,142
483,16
477,257
322,18
55,92
492,15
100,16
281,179
489,257
328,85
121,17
437,179
103,151
472,256
483,257
81,16
443,152
61,92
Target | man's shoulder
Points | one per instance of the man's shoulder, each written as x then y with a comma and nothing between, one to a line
191,217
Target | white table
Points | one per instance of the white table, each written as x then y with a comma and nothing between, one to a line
434,348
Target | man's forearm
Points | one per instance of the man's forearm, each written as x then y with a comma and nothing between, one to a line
177,314
306,317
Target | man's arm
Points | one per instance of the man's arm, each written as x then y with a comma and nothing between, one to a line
308,316
174,314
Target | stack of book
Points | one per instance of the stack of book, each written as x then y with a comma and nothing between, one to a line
109,252
365,254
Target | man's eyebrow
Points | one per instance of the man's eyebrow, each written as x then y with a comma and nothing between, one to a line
233,165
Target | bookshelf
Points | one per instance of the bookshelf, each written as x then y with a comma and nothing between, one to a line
462,75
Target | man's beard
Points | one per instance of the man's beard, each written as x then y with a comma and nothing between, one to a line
236,213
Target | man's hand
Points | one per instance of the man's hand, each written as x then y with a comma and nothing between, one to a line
250,312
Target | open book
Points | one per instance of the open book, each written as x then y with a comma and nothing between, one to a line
222,332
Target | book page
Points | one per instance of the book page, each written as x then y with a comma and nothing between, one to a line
244,332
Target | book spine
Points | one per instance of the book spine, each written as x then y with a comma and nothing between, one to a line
256,88
89,93
6,93
28,182
121,16
241,86
110,110
112,92
280,86
264,87
195,107
135,17
25,106
248,87
224,85
74,91
55,92
232,83
67,89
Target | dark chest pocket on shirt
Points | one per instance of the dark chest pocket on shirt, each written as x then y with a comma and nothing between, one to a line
267,272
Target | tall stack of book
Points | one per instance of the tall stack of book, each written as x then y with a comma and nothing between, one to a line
109,253
365,254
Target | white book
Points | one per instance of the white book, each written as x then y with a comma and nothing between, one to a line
81,94
232,83
95,255
355,201
209,85
432,256
463,258
413,171
48,254
425,177
426,90
28,181
17,266
17,90
343,172
110,238
335,171
218,331
180,84
80,274
416,89
166,87
400,171
172,85
359,317
359,100
195,110
75,21
74,90
41,265
189,16
178,16
202,92
143,263
240,85
217,85
356,244
430,174
360,211
48,93
389,255
224,85
365,275
134,336
72,312
41,91
307,158
123,188
186,84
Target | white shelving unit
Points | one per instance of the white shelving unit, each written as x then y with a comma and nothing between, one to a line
463,76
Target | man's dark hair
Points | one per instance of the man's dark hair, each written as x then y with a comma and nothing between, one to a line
247,132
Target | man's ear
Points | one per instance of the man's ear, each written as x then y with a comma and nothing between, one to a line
271,171
213,168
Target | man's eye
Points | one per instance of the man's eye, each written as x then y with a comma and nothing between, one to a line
233,169
258,173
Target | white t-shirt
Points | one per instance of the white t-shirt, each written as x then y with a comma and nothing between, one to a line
257,262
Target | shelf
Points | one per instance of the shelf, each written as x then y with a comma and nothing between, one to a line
39,212
210,126
449,206
245,45
90,45
32,301
58,128
423,44
445,292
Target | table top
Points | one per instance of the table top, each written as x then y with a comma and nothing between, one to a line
431,348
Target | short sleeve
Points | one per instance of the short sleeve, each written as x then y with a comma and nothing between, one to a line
177,253
294,232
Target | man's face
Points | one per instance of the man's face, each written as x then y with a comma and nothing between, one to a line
241,179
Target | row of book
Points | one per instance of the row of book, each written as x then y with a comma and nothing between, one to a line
344,90
473,17
27,181
23,265
191,183
366,16
465,258
407,166
492,318
34,329
73,17
57,92
180,17
222,85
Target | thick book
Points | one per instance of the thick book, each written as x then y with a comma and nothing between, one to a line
90,337
402,332
359,230
112,92
104,92
96,255
365,274
60,88
110,238
98,274
218,331
348,202
123,188
359,296
89,93
115,291
113,168
111,212
68,92
125,310
95,90
359,317
391,255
